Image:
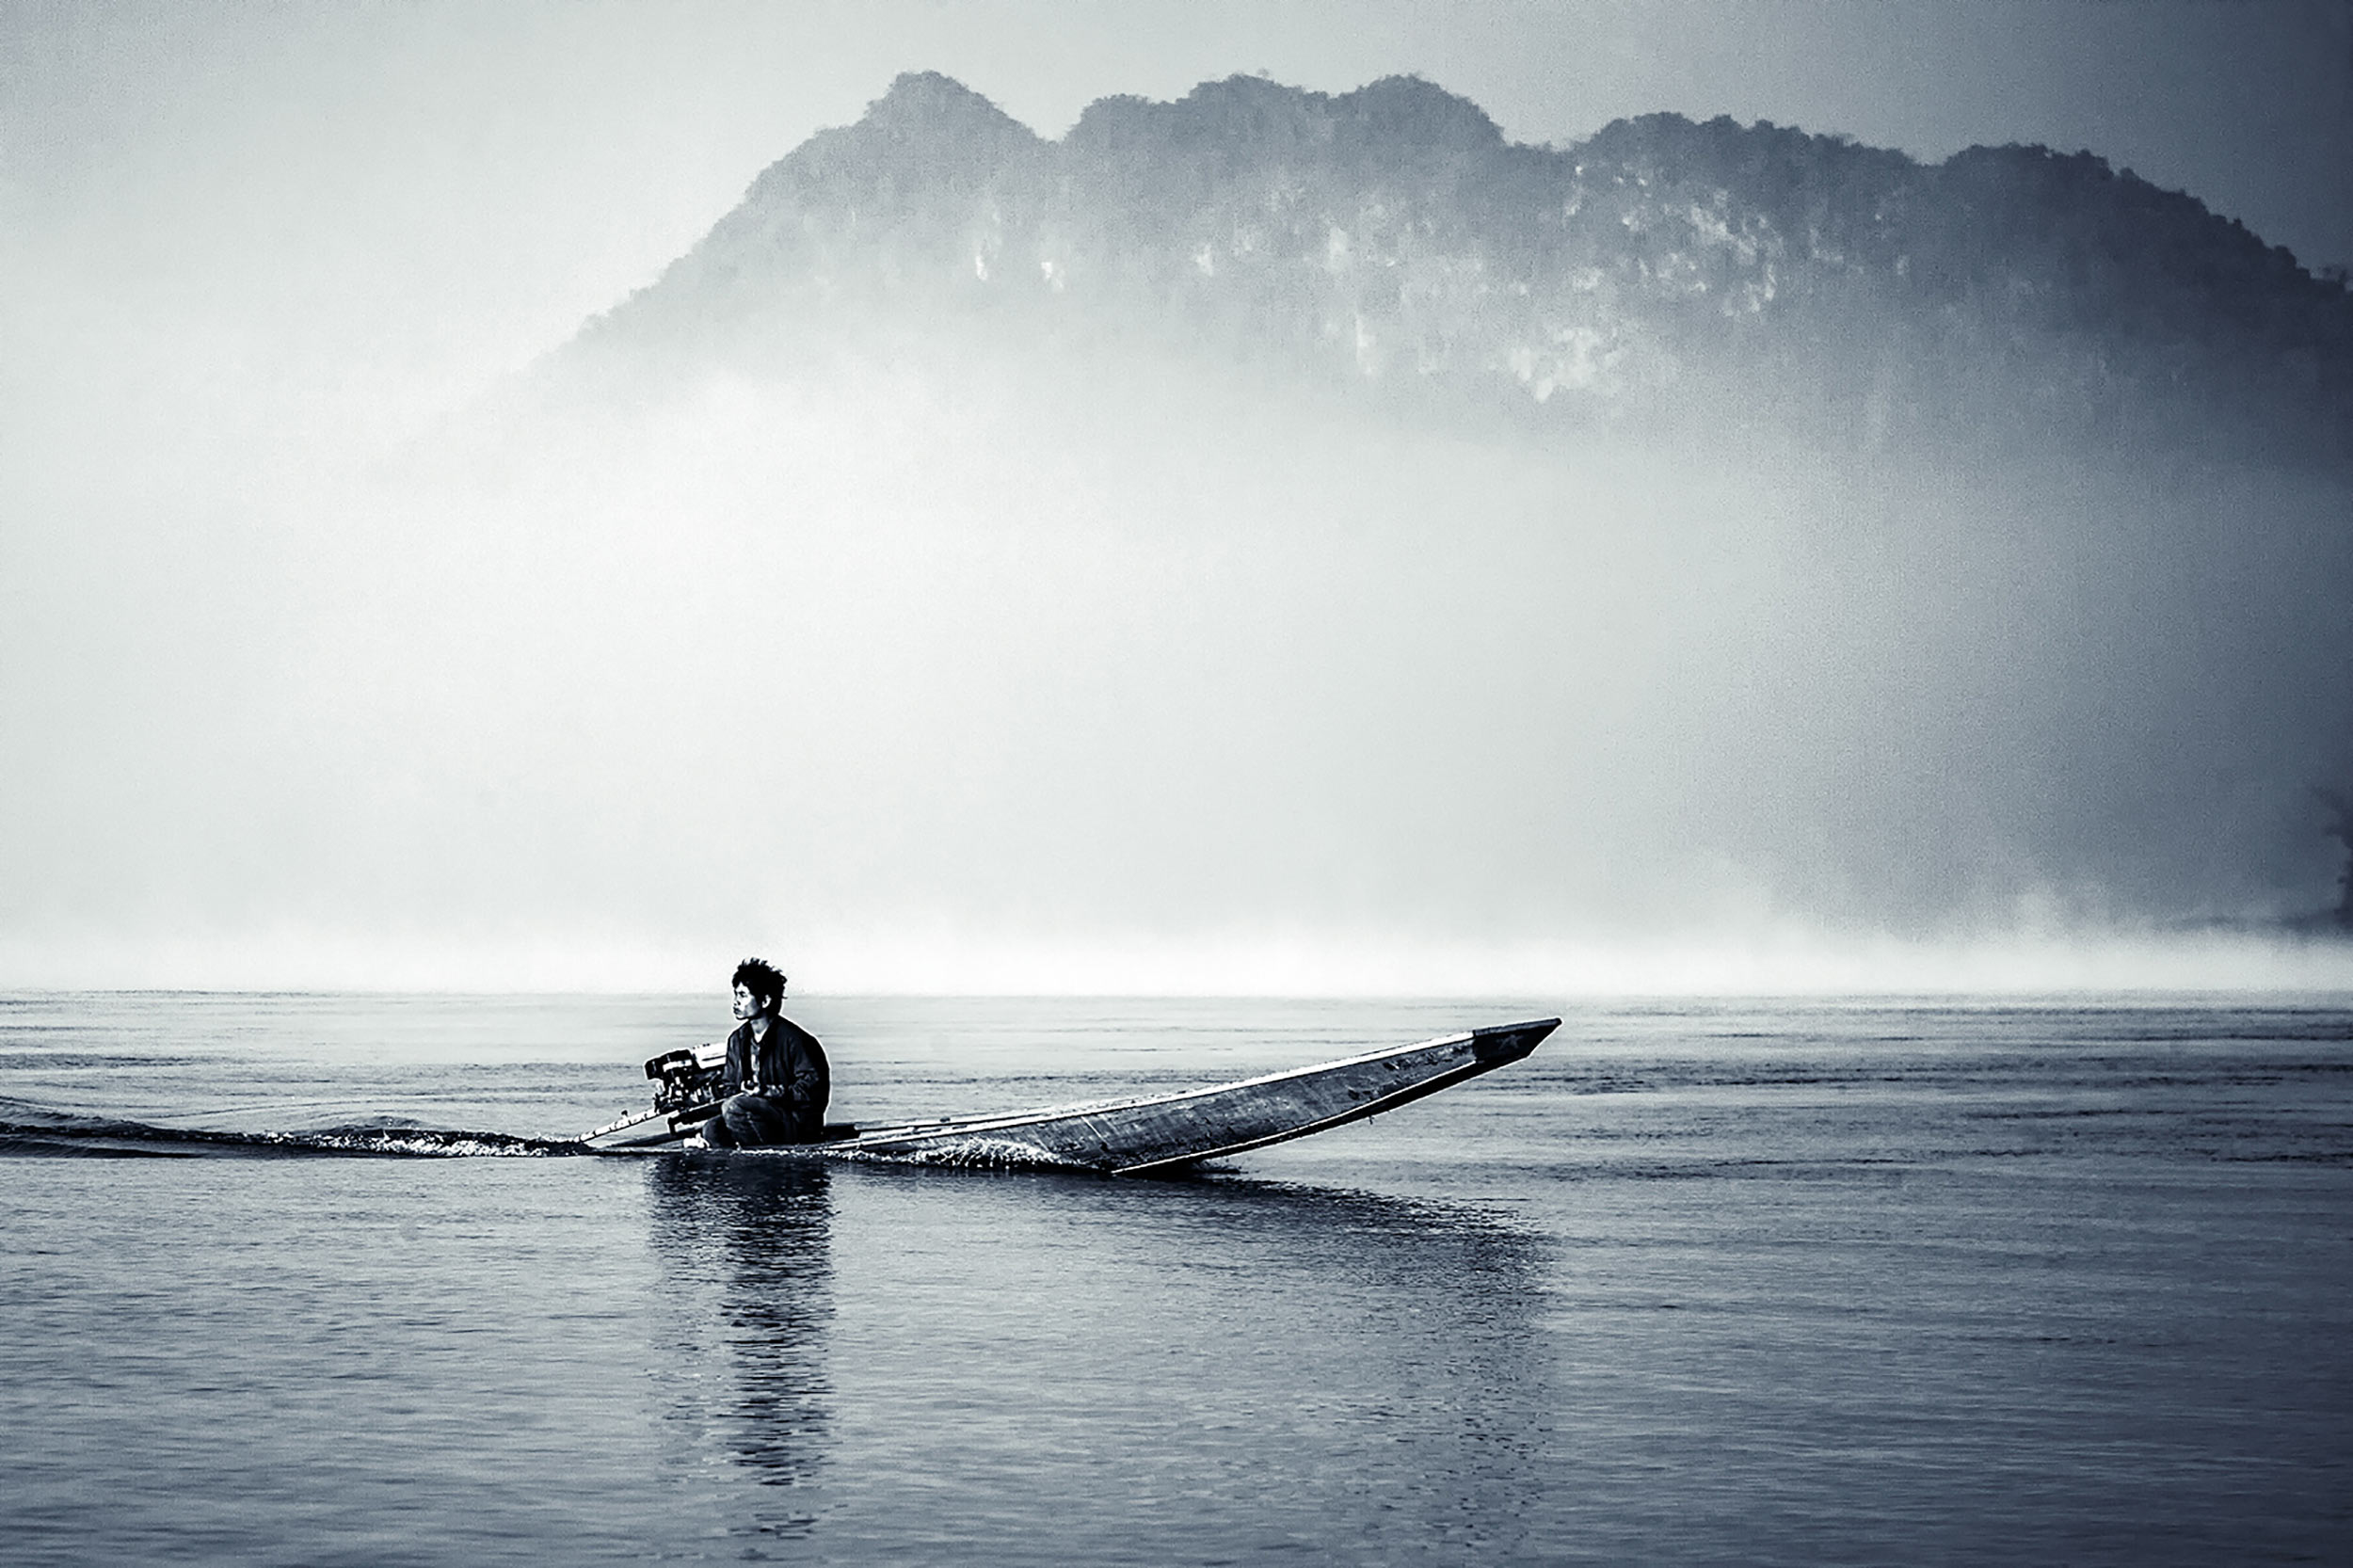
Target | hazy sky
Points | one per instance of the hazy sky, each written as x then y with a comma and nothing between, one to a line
246,250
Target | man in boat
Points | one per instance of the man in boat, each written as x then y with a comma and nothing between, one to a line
777,1080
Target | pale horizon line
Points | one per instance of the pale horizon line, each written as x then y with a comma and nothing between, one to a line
1794,963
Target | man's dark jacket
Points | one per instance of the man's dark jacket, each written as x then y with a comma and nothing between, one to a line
788,1067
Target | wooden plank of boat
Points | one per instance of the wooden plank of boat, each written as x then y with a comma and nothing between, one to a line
1160,1133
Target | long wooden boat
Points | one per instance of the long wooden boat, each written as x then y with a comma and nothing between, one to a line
1124,1137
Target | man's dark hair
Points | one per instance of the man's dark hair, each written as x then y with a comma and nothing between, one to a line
761,978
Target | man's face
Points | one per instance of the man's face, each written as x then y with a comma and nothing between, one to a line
747,1005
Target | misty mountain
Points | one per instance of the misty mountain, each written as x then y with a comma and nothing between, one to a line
1281,511
1270,539
1393,237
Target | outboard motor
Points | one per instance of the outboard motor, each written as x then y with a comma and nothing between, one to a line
688,1084
688,1087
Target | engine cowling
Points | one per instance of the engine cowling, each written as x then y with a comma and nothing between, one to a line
689,1079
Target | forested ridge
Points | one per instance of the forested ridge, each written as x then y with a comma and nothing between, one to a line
1393,236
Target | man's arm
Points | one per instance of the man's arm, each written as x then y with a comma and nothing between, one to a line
806,1062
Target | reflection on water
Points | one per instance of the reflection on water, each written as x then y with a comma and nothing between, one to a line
747,1249
1190,1370
876,1360
1424,1316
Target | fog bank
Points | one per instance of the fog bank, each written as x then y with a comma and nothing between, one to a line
937,675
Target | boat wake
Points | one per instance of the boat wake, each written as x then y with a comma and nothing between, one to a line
31,1131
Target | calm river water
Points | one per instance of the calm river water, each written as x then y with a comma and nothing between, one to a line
1774,1282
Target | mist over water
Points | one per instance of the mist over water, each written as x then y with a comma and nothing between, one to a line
1033,659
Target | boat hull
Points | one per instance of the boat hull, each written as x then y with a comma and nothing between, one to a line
1166,1131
